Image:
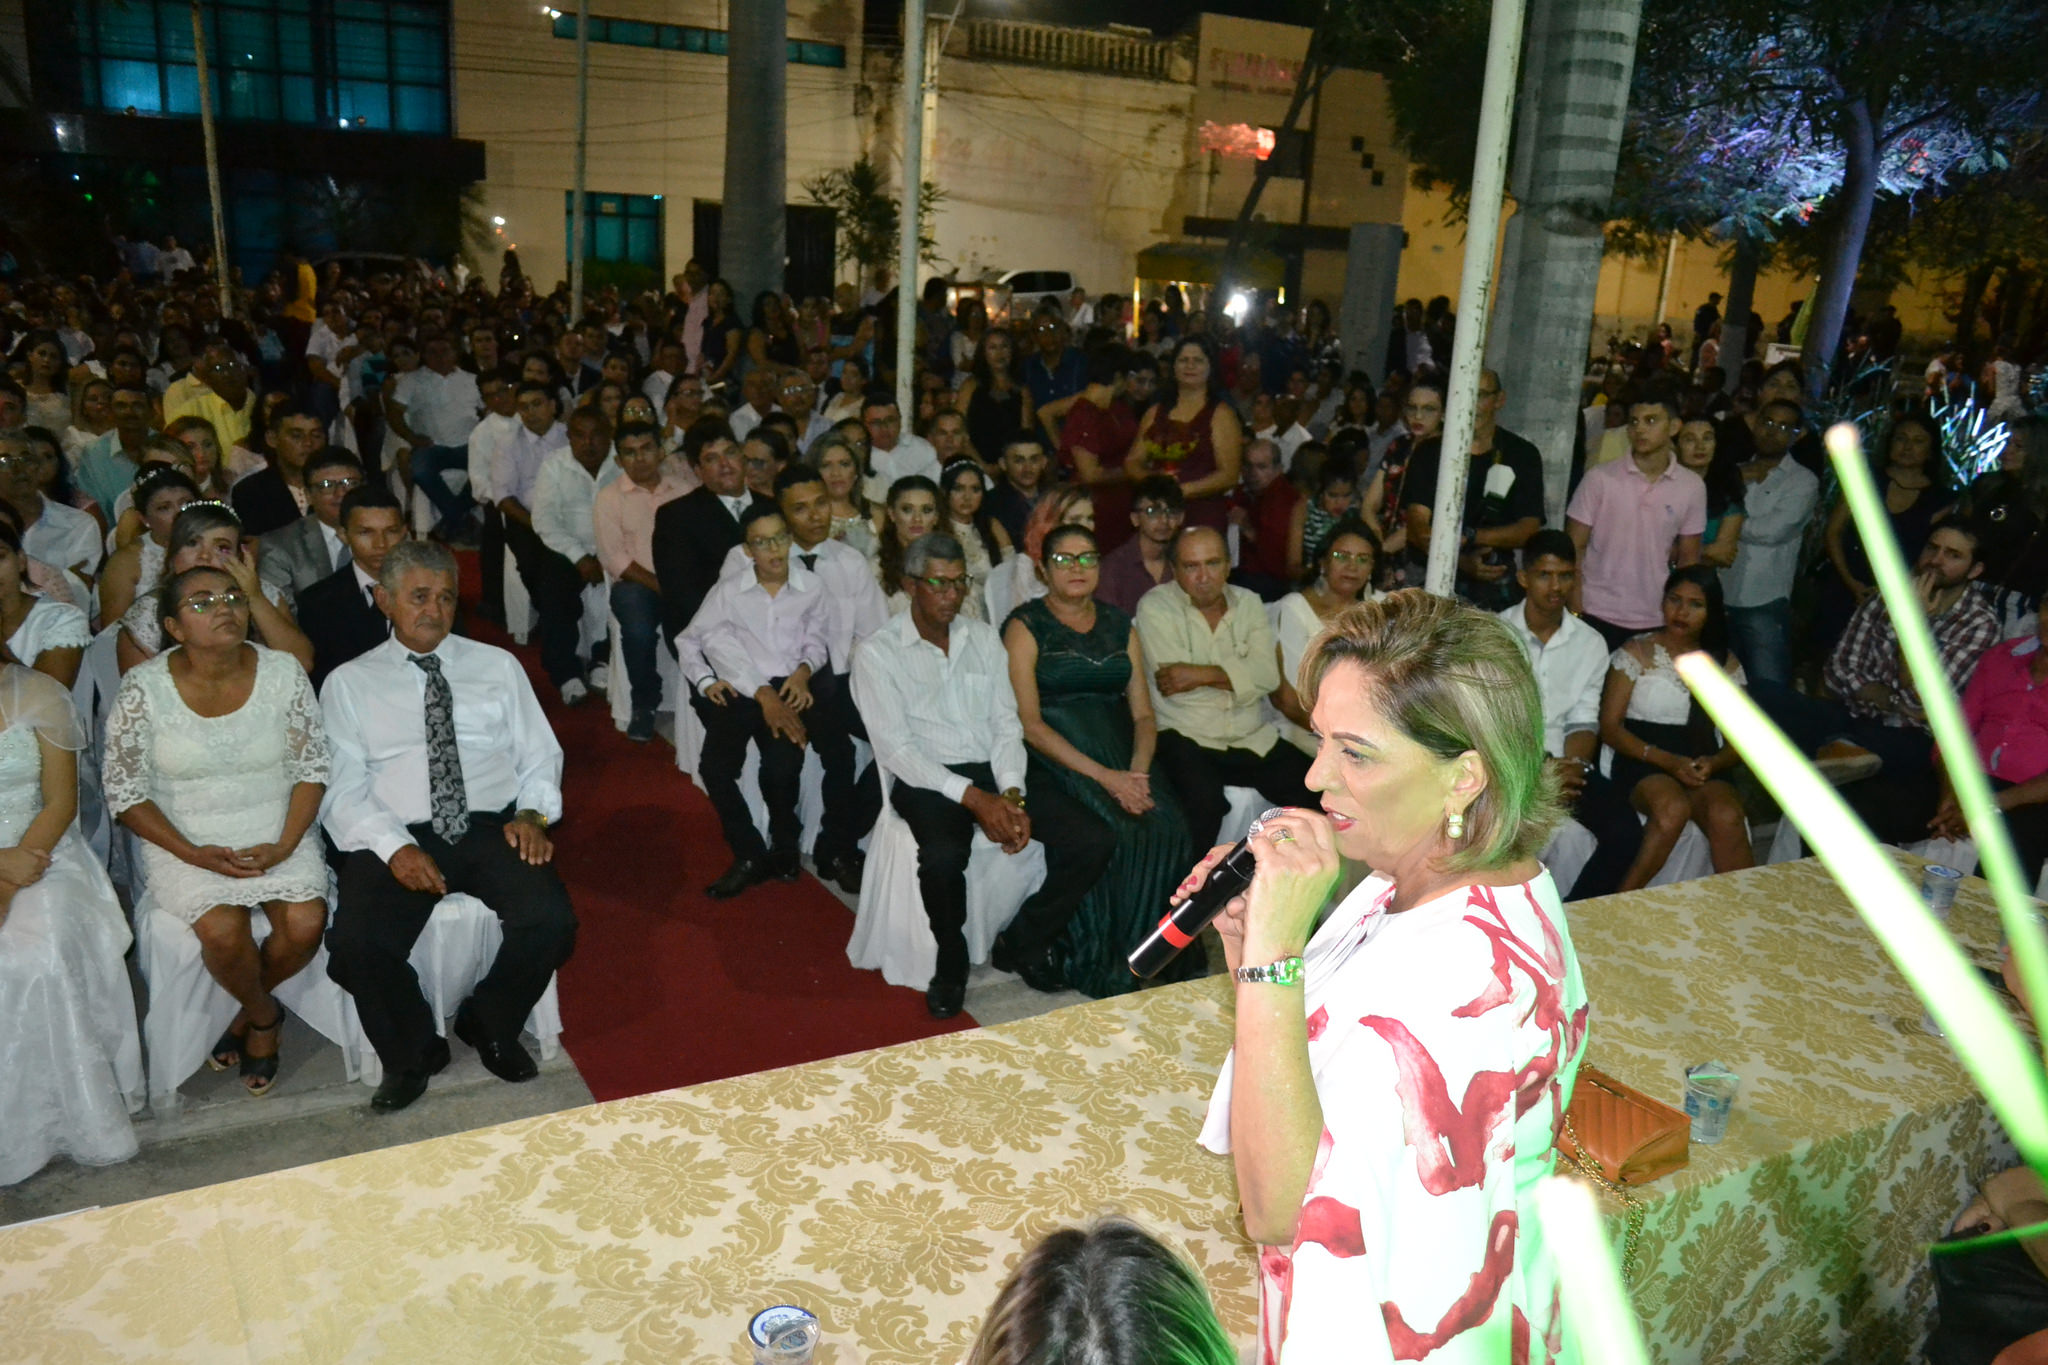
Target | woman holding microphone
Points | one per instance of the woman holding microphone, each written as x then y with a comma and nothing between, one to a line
1400,1072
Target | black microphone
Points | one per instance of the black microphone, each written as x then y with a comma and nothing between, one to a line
1184,922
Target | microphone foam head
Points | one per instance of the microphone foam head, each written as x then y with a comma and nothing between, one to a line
1259,825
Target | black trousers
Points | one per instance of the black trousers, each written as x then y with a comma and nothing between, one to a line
852,799
1078,846
1603,808
377,921
728,730
944,830
557,592
490,550
1199,774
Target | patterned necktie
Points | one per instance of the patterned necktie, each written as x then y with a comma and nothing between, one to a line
444,765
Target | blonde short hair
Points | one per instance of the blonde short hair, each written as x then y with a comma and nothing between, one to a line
1453,679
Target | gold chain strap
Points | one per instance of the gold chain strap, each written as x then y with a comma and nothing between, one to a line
1637,1207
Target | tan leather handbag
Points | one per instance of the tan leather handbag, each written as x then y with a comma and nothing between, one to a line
1621,1139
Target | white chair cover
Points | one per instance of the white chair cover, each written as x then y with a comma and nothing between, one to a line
1246,805
1567,854
1691,857
890,931
187,1010
518,604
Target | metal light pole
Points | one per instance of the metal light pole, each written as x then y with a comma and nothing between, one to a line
220,228
908,221
1475,291
582,141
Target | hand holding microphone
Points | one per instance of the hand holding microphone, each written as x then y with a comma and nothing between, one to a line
1293,849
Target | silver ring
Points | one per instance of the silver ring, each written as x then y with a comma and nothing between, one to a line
1283,835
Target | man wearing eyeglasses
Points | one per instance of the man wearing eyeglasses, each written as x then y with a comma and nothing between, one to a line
934,689
1503,503
799,398
312,548
1778,496
1142,563
748,656
218,390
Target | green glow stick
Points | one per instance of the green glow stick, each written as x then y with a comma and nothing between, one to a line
1944,713
1990,1046
1600,1326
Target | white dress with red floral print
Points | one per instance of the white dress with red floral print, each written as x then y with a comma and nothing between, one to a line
1444,1041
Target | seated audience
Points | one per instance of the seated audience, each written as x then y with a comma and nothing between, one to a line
964,515
1268,511
1107,1294
446,778
311,548
216,759
65,1004
1115,841
273,498
41,633
693,533
854,610
1213,661
1503,503
498,390
1668,757
206,533
1144,561
560,563
53,471
893,453
433,409
1633,519
1778,498
339,613
1344,577
622,519
943,721
1569,660
160,495
748,657
52,532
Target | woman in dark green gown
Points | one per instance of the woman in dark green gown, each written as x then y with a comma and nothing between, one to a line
1079,677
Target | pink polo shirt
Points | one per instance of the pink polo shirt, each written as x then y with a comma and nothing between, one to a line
2008,713
1634,522
624,519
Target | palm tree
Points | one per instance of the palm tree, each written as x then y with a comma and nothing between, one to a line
752,238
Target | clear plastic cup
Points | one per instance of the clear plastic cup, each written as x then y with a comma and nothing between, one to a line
1709,1095
1938,886
783,1335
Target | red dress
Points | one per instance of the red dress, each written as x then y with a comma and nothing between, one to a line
1105,433
1187,450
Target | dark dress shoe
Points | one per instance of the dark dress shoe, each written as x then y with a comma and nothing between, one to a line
742,874
845,871
399,1089
1040,970
503,1058
784,864
944,999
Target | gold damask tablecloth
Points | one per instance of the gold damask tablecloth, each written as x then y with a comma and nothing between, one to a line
891,1191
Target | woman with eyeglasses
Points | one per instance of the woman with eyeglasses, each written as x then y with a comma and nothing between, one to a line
1344,575
1115,839
964,515
160,494
209,533
217,761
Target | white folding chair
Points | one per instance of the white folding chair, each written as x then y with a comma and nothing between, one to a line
890,931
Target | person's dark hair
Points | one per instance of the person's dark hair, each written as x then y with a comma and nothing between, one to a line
1784,405
284,411
1353,525
626,429
59,489
1714,634
331,457
703,432
1548,541
984,376
1978,532
889,550
983,522
1107,362
10,539
1108,1294
1723,475
1658,395
1937,458
1158,488
158,479
1789,365
757,511
374,494
1067,530
1201,342
175,588
877,397
1024,436
195,519
782,424
796,474
779,445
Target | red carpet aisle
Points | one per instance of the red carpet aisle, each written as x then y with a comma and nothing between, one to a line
667,986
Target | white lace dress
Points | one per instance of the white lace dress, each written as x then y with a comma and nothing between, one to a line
219,780
70,1060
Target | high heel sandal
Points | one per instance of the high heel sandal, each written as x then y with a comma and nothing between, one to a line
227,1052
262,1069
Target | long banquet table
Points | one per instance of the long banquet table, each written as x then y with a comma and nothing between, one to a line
891,1191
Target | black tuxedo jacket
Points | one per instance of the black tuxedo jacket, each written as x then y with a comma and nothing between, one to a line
264,503
692,536
340,622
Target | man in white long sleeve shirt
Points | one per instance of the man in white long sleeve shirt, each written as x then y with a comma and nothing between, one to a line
445,777
499,390
550,500
893,453
934,690
855,609
748,656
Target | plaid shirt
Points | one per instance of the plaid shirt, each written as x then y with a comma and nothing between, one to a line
1869,653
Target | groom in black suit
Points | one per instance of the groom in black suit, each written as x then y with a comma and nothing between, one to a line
339,613
693,533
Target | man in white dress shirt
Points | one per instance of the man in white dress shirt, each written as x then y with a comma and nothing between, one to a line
433,409
759,386
893,453
499,391
799,398
748,656
1569,659
561,559
855,609
934,689
445,778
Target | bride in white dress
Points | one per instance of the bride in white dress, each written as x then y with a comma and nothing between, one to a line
217,760
70,1058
